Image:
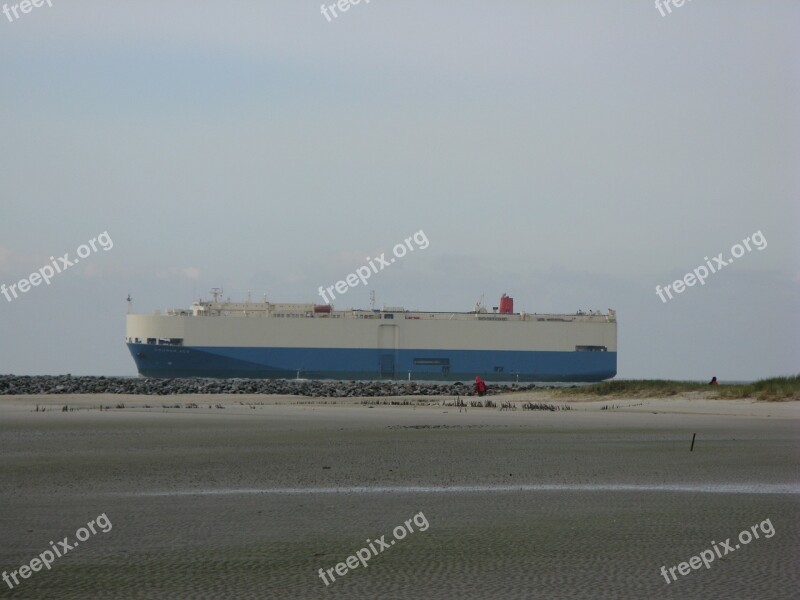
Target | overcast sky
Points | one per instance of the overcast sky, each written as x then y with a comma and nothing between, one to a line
572,154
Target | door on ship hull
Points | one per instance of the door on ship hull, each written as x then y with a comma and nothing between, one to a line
387,366
388,340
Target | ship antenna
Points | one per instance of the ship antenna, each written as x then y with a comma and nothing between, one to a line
130,304
479,304
372,300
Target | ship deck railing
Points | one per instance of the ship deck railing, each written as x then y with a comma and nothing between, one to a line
261,310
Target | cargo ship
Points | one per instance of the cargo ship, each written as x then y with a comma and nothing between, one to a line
224,339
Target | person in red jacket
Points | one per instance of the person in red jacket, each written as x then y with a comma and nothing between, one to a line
480,386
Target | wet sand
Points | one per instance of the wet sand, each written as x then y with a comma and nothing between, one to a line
250,500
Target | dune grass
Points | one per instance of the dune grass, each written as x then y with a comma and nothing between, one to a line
772,389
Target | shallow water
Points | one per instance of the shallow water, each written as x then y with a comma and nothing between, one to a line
753,488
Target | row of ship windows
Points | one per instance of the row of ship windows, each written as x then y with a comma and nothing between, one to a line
417,361
445,362
158,341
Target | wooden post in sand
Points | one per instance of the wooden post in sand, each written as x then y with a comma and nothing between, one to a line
692,448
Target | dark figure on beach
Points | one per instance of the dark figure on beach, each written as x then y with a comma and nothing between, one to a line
480,386
713,381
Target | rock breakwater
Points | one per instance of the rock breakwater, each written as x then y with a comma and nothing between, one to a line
67,384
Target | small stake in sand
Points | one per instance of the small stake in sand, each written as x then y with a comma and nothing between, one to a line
692,448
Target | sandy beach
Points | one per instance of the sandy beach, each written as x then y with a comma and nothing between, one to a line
249,496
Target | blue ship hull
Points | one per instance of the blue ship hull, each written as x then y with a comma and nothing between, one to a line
369,364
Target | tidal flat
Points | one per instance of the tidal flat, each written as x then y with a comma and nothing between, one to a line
248,496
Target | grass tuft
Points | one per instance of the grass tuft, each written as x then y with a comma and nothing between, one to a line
774,389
